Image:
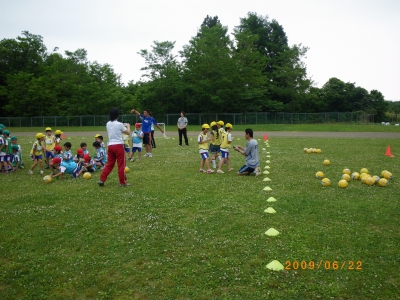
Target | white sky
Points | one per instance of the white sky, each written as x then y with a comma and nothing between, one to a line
354,40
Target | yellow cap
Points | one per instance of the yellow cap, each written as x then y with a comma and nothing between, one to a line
97,135
39,135
221,123
229,125
58,131
48,129
205,126
213,123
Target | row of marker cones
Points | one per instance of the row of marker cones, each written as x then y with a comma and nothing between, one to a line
273,265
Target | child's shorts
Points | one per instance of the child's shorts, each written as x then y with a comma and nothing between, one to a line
224,154
49,155
204,155
139,149
34,157
214,148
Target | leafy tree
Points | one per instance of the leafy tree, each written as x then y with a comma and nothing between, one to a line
209,70
163,92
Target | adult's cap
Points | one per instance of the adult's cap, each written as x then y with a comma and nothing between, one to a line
57,148
48,129
56,160
58,131
229,125
39,135
213,123
205,126
221,123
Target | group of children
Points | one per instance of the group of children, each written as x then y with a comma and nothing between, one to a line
10,152
60,159
218,143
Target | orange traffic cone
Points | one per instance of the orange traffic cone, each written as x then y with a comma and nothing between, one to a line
388,151
265,137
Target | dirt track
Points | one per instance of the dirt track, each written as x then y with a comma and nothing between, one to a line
299,134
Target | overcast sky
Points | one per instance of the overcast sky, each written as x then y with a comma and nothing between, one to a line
354,40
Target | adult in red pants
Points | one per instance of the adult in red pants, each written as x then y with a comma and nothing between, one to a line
115,149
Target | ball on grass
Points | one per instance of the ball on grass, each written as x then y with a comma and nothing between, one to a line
327,162
319,175
325,182
126,170
343,183
382,182
346,171
346,177
355,176
364,170
47,179
87,175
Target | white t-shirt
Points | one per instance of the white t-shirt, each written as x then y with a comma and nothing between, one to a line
115,130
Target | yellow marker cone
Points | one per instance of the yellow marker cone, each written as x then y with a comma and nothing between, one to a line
268,155
267,161
272,232
263,149
271,199
266,179
267,188
275,266
270,210
267,167
268,152
266,172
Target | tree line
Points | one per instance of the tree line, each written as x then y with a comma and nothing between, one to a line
252,69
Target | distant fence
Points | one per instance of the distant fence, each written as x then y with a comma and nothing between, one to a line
195,119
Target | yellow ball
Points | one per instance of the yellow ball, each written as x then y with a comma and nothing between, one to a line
370,181
343,183
376,178
387,175
346,171
383,172
319,175
126,170
327,162
382,182
355,176
309,151
346,177
364,177
87,175
364,170
305,150
319,151
47,179
326,182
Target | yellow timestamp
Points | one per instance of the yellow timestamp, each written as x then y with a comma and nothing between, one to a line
324,265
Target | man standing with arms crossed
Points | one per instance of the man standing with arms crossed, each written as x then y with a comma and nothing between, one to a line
182,123
147,120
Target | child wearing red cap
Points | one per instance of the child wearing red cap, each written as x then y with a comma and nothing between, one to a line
66,167
79,155
137,142
57,153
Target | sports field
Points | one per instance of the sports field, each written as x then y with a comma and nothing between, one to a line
180,234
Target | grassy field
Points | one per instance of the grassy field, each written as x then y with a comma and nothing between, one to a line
180,234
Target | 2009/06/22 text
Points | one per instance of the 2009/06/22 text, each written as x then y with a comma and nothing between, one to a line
324,265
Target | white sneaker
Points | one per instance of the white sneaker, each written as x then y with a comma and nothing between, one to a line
220,172
150,155
30,172
41,172
209,171
257,171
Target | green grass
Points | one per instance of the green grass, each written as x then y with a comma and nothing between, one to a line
258,127
180,234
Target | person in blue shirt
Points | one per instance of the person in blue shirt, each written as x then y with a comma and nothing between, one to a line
147,120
